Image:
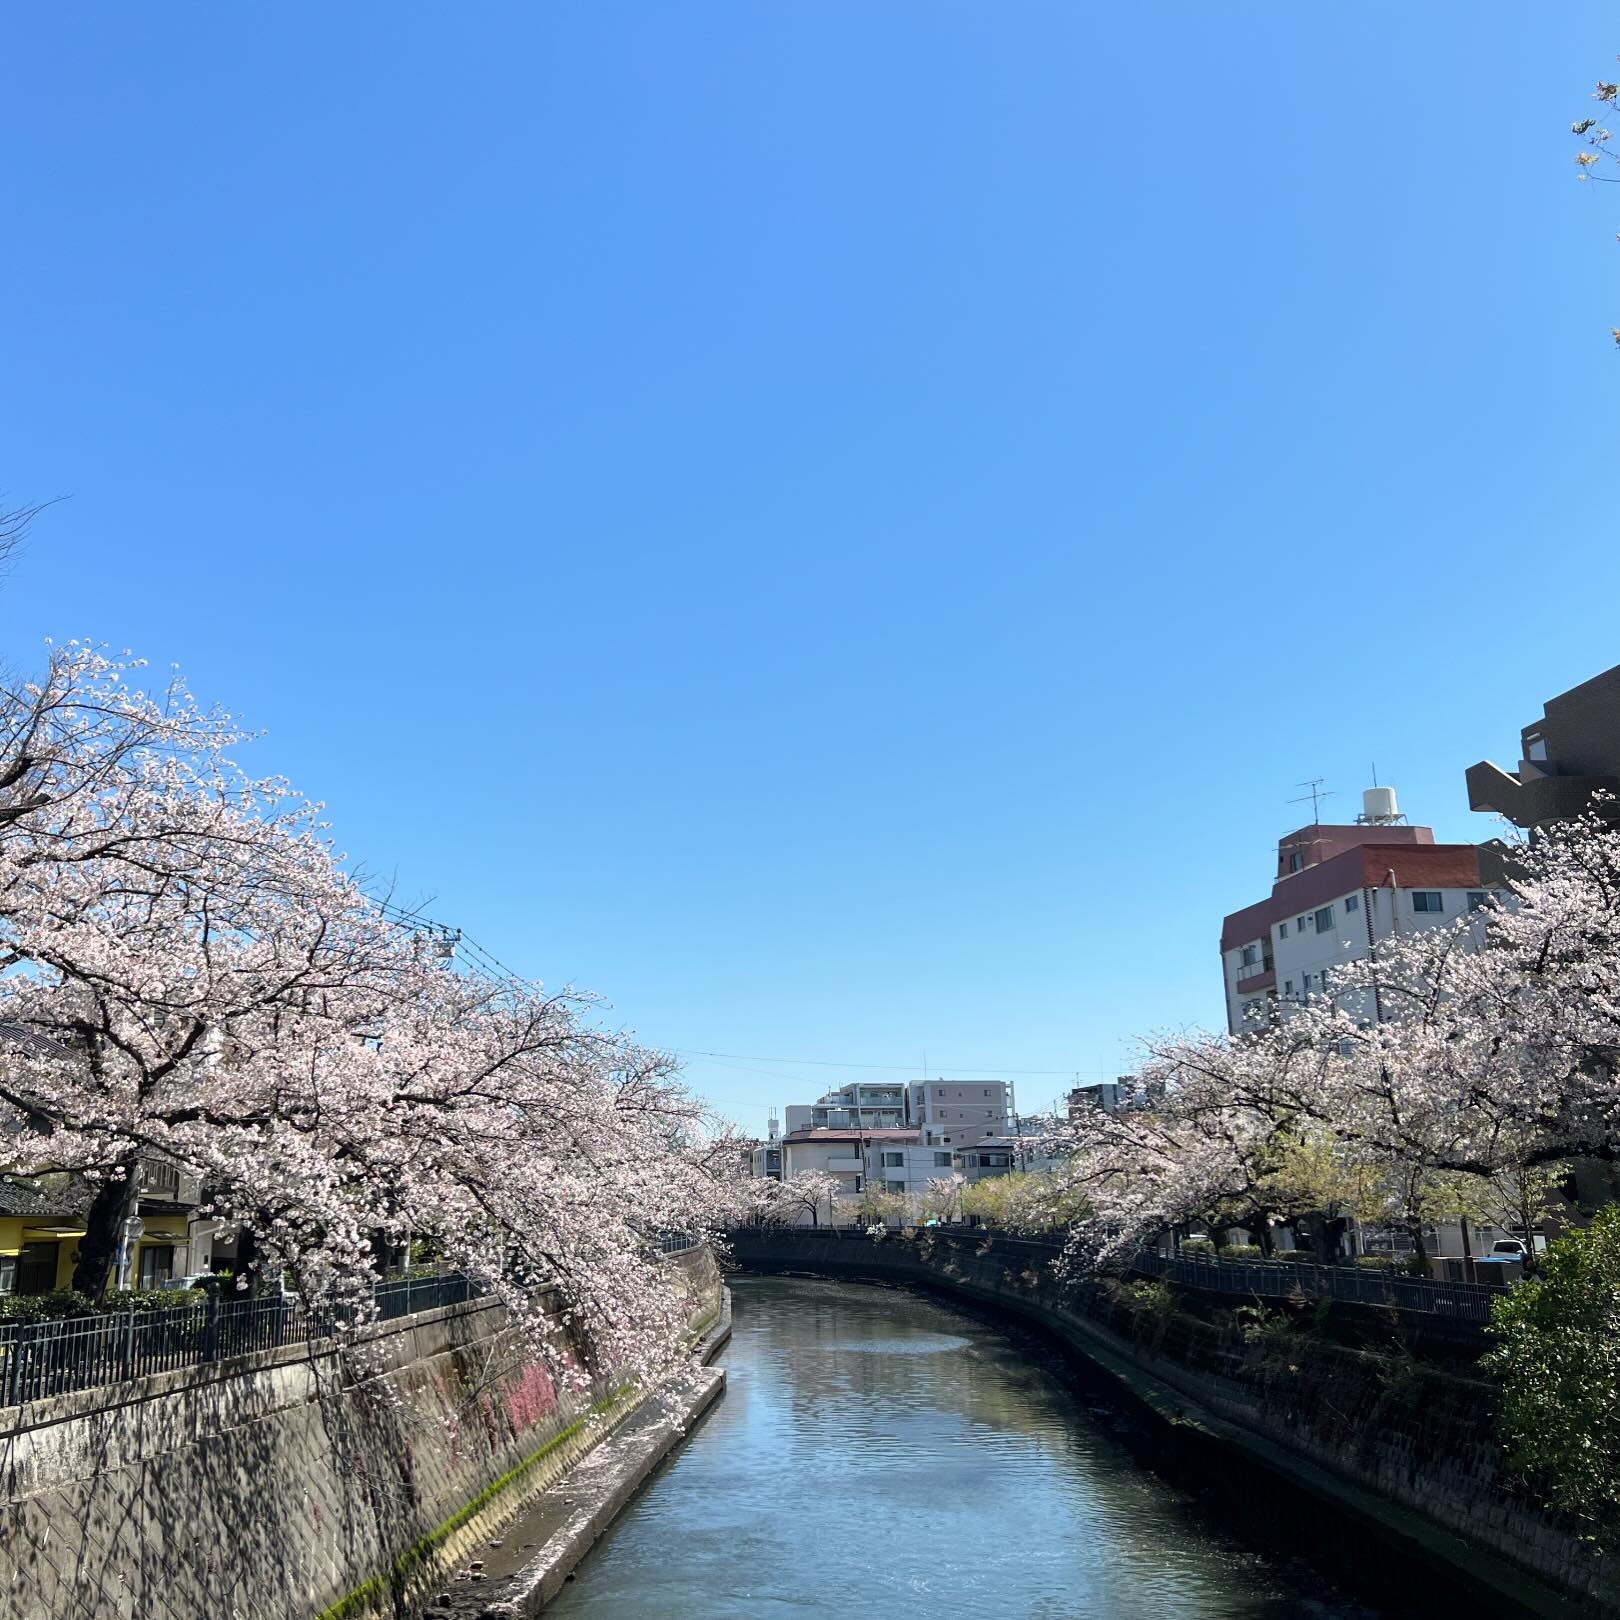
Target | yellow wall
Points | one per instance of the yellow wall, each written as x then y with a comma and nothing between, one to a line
15,1230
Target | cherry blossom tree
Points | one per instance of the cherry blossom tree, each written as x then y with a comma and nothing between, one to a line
799,1201
194,973
1498,1051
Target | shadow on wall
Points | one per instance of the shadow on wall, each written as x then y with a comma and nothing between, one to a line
270,1489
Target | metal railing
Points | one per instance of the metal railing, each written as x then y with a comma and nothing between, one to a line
677,1243
1462,1302
84,1352
1279,1279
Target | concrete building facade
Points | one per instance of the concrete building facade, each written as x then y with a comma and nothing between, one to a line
1339,891
1570,753
955,1113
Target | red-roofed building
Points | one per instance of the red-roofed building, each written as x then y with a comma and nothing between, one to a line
1340,891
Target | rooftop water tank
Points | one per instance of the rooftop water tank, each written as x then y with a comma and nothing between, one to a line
1378,804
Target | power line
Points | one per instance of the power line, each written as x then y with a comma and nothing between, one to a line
898,1068
488,965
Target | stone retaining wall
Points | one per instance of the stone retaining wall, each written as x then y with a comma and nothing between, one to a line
290,1484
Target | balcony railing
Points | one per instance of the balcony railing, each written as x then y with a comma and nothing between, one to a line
159,1180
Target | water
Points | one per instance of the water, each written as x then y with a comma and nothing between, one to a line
877,1453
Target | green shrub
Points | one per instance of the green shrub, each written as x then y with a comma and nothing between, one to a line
1196,1246
1242,1251
1153,1297
1559,1378
56,1306
1298,1257
1380,1262
151,1299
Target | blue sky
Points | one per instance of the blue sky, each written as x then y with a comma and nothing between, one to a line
836,526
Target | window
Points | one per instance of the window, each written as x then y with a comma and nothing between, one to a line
1299,925
1282,930
1428,900
942,1161
1477,899
36,1268
1251,955
156,1264
1324,919
1535,747
1295,861
893,1161
1288,987
894,1186
1352,902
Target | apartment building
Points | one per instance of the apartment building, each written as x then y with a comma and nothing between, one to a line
1102,1095
1339,891
885,1135
1570,753
858,1106
956,1113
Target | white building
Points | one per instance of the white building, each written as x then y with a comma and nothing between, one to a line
859,1105
858,1160
884,1135
1340,891
955,1113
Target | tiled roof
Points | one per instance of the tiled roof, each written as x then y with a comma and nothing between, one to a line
1367,866
31,1203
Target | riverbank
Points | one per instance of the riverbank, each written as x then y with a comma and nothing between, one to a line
1402,1454
918,1456
520,1571
340,1480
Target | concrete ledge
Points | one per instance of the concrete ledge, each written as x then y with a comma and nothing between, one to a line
602,1486
578,1508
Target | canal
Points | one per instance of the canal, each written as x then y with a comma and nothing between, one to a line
880,1453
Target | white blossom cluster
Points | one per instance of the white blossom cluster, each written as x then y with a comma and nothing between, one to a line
193,973
1452,1059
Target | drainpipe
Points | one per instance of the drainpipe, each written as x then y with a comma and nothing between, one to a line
1367,897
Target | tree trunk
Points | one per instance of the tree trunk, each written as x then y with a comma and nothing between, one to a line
115,1201
1419,1248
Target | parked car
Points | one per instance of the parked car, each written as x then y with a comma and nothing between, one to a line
1510,1249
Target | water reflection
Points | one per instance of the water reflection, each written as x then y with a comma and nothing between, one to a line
879,1453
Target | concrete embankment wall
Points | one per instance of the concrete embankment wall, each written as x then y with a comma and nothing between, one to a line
1407,1450
290,1484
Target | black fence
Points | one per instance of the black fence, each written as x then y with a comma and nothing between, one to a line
1457,1302
83,1352
1361,1285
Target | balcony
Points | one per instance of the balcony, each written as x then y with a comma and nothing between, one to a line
159,1180
1533,796
1261,975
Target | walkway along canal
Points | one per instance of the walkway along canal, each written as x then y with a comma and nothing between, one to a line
880,1452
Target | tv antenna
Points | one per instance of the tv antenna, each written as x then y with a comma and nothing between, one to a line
1315,792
